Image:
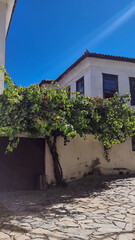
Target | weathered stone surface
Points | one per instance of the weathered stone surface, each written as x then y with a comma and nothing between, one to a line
78,232
120,224
39,231
57,235
22,237
67,224
109,230
4,236
25,226
79,217
125,237
77,212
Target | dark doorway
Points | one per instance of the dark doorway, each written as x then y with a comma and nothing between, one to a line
20,170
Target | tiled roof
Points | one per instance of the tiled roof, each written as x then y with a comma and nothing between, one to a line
95,55
92,55
46,81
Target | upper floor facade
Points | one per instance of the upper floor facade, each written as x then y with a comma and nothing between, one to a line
100,75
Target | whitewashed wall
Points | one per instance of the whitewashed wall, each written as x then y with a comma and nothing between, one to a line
6,7
2,40
2,31
10,5
92,70
83,69
76,158
124,70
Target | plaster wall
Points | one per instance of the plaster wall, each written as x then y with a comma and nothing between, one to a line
2,32
92,70
9,8
10,5
2,41
124,70
76,158
6,7
83,69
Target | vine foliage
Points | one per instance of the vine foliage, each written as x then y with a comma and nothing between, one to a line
50,113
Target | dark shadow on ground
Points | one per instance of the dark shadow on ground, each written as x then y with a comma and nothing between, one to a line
19,205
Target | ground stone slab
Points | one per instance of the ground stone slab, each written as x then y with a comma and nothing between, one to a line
22,237
99,207
125,237
4,236
120,224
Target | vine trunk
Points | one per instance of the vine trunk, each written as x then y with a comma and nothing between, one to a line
56,164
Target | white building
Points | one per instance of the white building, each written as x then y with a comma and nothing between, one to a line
98,74
6,12
92,75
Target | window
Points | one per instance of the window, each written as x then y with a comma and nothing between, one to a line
80,85
132,90
133,143
110,85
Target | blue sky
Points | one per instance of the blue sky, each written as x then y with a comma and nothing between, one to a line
47,36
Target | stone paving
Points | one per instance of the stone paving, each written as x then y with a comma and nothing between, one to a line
97,207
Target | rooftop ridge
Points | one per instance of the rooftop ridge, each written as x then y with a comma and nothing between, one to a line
96,55
93,55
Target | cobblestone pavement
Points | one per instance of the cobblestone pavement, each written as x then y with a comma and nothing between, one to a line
97,207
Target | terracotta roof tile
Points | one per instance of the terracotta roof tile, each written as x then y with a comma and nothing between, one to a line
46,81
95,55
92,55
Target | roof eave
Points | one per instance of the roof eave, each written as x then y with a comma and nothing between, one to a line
85,55
11,17
95,55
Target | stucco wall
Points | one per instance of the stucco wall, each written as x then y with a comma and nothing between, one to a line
2,32
6,7
9,9
122,69
83,69
76,158
1,82
92,70
2,41
10,5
